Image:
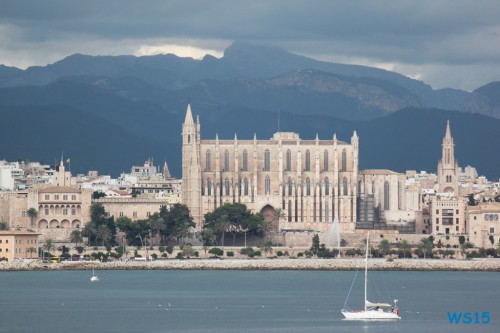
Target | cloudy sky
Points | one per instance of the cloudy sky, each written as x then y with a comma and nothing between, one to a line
446,43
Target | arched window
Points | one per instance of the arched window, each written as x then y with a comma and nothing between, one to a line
208,161
189,138
245,186
290,188
209,187
226,186
268,185
326,212
245,160
345,185
308,160
325,160
288,160
226,160
386,196
327,186
308,186
344,160
267,160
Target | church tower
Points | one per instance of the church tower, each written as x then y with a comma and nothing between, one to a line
448,170
191,168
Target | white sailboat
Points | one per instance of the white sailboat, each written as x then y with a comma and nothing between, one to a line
377,311
94,277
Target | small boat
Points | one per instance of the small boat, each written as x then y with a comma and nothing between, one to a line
372,311
94,277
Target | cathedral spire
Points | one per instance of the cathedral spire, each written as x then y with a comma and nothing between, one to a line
189,115
447,136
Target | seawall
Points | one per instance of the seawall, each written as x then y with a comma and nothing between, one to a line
486,265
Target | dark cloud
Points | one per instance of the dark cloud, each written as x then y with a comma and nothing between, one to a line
408,34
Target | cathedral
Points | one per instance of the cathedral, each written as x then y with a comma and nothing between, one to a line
311,181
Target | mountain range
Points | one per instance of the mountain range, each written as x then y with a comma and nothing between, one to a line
109,112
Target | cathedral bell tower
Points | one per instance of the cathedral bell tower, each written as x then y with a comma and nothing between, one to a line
191,168
448,170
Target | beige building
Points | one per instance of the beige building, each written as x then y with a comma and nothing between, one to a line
448,215
312,181
60,208
18,245
139,208
484,221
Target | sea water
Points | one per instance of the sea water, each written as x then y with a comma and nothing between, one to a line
240,301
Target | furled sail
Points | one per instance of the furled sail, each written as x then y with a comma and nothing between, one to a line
370,304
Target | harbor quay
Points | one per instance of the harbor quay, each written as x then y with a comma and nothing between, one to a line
337,264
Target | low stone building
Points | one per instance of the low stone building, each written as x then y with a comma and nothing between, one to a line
484,223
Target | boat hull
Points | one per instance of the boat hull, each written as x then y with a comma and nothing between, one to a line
370,315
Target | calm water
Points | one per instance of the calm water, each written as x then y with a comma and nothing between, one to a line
238,301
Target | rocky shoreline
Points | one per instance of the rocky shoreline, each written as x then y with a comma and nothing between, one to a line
481,265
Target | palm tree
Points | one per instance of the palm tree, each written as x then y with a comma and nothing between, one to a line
184,230
31,250
384,247
32,214
104,234
76,237
222,226
49,245
156,226
279,214
404,246
266,247
90,230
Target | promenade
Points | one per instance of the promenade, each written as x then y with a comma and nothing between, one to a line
491,265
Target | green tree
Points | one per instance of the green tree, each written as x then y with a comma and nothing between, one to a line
217,252
315,245
492,240
32,214
4,226
266,247
385,247
178,222
76,237
404,246
48,246
425,246
461,240
134,230
93,229
156,225
104,234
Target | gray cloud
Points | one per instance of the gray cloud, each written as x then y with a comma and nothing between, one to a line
438,41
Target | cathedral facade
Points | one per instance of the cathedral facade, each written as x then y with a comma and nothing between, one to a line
311,182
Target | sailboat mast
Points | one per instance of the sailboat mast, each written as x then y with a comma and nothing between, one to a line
366,266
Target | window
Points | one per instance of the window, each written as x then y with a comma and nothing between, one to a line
65,211
325,160
326,212
47,197
226,187
209,187
267,160
290,188
56,197
437,228
437,211
134,214
148,213
437,220
457,220
345,185
208,161
386,196
268,185
288,160
226,160
245,160
308,160
46,211
327,186
73,197
492,230
456,211
189,138
245,186
65,197
73,211
308,186
121,214
344,160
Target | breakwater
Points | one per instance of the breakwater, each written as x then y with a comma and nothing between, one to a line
492,265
